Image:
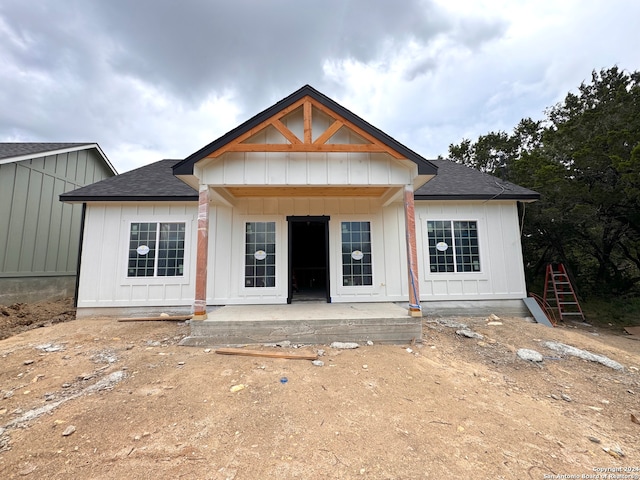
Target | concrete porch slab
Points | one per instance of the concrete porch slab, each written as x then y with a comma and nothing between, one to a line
309,323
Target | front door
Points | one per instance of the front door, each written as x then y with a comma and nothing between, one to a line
308,259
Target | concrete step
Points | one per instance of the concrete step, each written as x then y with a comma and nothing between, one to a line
308,324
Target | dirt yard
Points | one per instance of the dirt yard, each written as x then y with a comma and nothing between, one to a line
98,399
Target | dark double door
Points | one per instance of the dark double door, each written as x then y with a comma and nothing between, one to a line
308,258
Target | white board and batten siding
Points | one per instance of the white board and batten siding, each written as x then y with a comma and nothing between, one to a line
500,278
227,224
501,274
307,169
104,281
226,248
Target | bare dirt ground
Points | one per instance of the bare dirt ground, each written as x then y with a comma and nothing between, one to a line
98,399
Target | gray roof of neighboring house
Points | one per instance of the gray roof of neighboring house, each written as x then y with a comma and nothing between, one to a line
459,182
18,151
154,182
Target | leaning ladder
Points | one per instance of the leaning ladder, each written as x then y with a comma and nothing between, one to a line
559,292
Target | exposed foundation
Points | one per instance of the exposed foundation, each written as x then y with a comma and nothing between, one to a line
320,323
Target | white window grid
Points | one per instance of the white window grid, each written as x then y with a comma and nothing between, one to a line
166,245
453,246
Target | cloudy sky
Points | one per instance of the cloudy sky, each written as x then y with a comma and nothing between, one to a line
153,79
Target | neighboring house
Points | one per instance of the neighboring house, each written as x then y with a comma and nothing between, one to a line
305,200
39,236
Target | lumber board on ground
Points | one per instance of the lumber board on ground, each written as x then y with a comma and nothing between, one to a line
178,318
261,353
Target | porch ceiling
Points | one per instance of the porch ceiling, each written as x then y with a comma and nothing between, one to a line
245,192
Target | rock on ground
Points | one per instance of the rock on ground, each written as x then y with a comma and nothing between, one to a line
344,345
451,323
469,334
530,355
576,352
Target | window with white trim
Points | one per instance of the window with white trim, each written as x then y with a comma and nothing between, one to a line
260,254
453,246
357,268
156,249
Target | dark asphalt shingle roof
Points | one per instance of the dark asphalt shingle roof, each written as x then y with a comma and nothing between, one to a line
17,149
459,182
154,182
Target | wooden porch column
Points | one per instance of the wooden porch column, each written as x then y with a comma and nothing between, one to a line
415,309
200,304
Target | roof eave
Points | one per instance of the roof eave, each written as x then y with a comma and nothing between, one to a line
126,198
519,198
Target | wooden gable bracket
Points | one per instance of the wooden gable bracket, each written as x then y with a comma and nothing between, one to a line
391,195
306,144
222,196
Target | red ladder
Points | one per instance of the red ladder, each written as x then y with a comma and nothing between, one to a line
559,292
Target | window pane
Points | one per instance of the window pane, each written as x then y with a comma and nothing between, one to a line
146,259
453,246
260,254
466,237
142,250
170,254
440,246
356,253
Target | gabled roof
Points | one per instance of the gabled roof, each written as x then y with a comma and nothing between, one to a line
459,182
185,167
154,182
19,151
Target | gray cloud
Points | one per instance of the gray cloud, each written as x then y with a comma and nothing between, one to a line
78,63
150,78
254,46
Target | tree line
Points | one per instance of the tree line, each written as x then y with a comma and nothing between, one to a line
583,158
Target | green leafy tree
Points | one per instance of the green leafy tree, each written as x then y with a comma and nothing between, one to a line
584,159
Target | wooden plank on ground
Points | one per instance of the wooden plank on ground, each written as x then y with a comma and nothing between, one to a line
536,311
260,353
178,318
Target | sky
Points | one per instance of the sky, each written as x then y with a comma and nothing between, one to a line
155,79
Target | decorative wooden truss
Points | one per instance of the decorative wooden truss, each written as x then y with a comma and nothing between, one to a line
306,141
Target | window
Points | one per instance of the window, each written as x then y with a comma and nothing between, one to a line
453,246
356,254
156,250
260,254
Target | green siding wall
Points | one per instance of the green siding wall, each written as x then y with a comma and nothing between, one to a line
39,234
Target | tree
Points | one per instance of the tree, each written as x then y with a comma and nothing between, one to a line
584,159
494,152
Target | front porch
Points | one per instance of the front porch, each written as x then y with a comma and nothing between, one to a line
305,322
305,162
